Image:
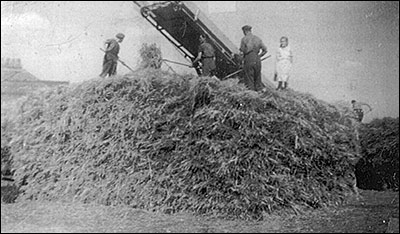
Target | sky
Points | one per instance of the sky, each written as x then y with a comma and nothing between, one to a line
342,50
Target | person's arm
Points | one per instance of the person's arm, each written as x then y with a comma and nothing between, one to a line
278,55
198,58
199,55
291,56
360,104
263,49
365,104
109,45
243,47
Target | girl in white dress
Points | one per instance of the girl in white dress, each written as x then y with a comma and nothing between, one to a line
284,60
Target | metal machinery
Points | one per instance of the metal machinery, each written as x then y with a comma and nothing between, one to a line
182,22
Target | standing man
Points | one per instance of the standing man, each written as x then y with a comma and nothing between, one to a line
358,110
252,49
206,54
111,55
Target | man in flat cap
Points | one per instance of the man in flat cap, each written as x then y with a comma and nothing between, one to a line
111,55
252,49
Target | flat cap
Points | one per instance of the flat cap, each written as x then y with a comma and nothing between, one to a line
120,36
246,28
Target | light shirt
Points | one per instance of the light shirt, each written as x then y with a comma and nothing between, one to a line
284,53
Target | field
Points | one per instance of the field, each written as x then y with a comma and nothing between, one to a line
374,212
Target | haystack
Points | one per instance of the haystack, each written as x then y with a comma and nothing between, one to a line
165,142
379,165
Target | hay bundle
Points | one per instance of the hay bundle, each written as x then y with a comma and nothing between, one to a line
379,165
151,56
159,141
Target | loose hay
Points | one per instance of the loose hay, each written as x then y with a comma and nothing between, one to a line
151,56
6,158
165,142
379,165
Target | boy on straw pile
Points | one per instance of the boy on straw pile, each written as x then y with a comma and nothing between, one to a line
358,110
207,56
252,49
111,55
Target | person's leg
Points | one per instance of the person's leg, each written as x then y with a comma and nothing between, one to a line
209,67
279,85
259,85
107,64
206,69
253,78
249,76
285,70
214,72
284,79
360,116
113,69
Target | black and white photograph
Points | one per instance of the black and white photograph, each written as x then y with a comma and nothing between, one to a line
200,116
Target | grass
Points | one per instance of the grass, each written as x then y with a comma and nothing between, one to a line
370,214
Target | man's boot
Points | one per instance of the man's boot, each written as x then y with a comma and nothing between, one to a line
279,85
284,85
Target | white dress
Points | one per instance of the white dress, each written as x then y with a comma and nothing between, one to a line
283,63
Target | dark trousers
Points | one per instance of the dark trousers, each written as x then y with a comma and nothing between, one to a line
252,76
360,115
109,68
209,68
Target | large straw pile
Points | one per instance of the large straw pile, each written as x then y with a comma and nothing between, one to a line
379,166
165,142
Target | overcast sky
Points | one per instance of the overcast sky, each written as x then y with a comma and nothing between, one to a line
342,50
